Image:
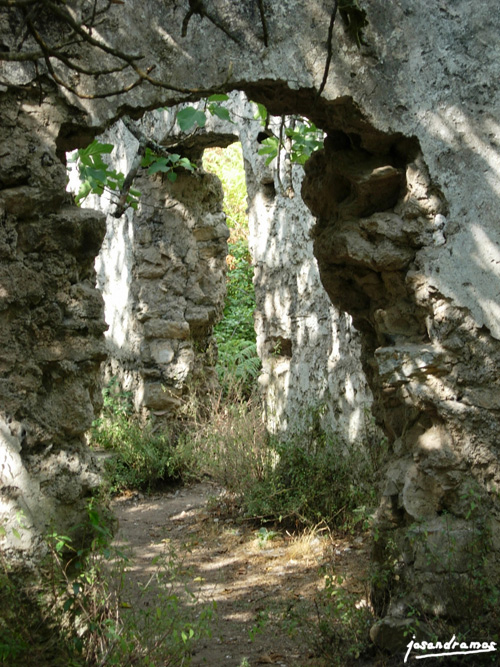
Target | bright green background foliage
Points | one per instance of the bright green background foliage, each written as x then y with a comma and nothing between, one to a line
227,164
235,334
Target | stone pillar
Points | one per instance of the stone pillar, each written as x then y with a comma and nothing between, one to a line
310,351
51,325
380,218
161,270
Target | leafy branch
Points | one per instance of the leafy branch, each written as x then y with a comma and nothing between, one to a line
190,117
96,176
303,137
166,164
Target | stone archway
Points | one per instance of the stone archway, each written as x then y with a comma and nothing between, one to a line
424,298
161,271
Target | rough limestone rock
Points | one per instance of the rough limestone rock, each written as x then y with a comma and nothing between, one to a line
161,270
310,351
51,331
406,198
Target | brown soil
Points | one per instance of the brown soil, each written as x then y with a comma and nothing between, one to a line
256,579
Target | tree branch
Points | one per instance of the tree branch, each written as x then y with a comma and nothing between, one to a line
80,35
197,7
329,49
144,143
264,22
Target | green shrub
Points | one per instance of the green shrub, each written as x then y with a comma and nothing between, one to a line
338,630
141,457
302,482
81,609
314,481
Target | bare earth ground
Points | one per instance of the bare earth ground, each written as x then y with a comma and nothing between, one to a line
255,578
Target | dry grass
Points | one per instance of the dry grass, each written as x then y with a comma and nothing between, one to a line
231,447
309,543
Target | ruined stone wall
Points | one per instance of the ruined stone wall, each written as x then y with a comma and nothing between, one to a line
413,121
310,351
51,326
161,270
380,218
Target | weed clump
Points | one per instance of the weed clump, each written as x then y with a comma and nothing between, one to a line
302,481
140,457
79,608
314,482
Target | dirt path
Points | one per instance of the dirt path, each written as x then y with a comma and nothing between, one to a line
255,576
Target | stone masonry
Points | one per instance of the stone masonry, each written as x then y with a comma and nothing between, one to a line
405,195
310,353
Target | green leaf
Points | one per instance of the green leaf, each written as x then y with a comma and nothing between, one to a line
172,176
93,517
95,148
188,117
95,174
148,158
187,164
270,147
218,97
98,175
261,113
220,112
68,604
160,165
265,150
300,159
83,192
271,143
